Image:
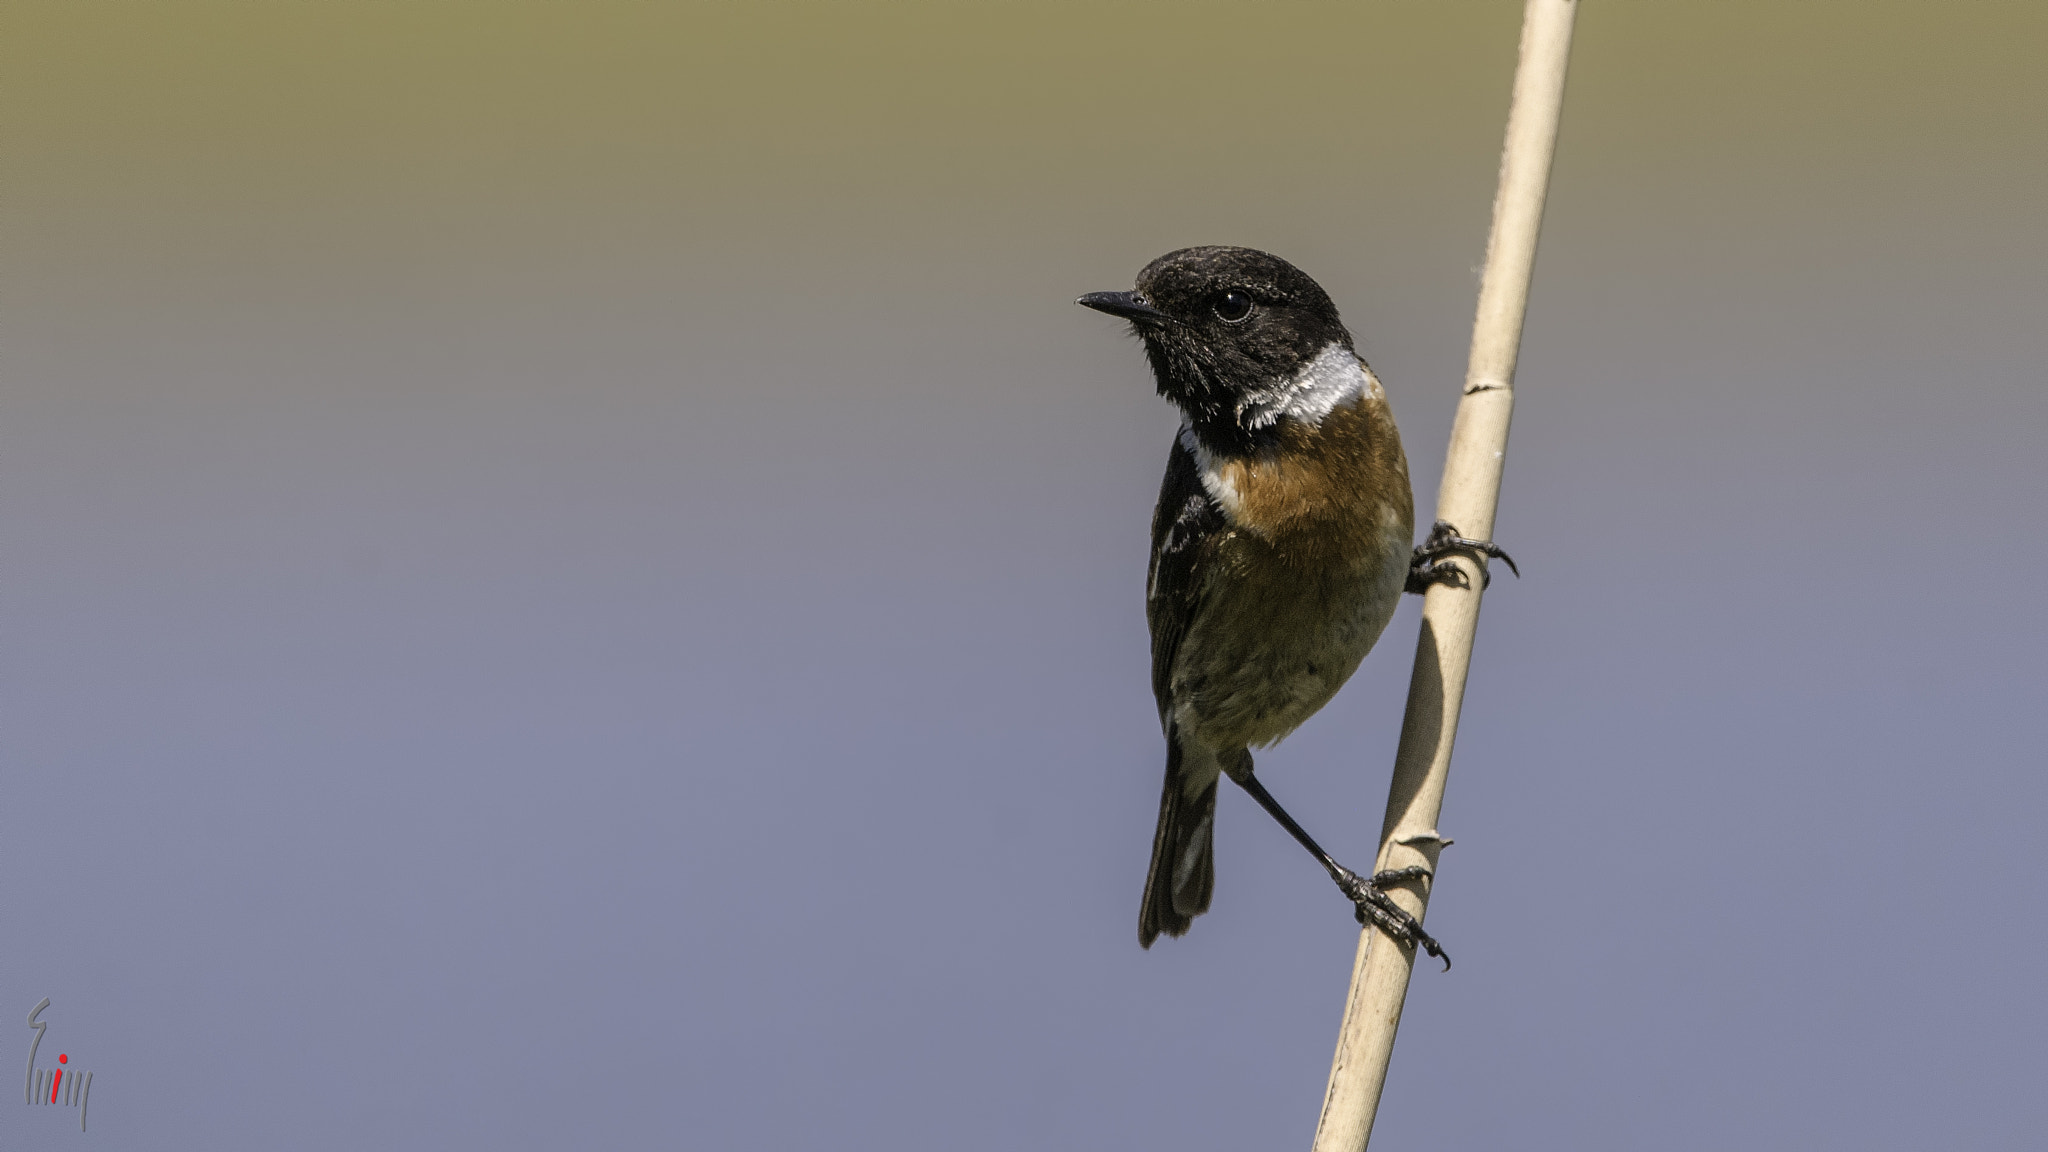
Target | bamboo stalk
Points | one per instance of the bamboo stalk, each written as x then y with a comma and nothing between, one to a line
1450,615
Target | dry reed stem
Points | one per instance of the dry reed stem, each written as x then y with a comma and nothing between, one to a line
1450,615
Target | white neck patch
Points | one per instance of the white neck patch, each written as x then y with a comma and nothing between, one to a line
1332,378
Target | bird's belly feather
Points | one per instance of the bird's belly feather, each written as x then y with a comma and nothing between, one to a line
1274,641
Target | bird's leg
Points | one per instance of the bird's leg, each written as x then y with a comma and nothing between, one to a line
1368,896
1426,568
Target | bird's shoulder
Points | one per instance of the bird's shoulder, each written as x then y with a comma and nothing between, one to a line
1187,527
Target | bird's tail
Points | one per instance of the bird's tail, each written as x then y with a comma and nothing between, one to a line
1183,872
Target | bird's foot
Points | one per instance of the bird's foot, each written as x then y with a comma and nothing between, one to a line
1373,904
1428,567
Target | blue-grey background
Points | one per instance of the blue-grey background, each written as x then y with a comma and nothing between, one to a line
572,575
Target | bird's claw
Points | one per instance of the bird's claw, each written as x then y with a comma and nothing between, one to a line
1372,904
1426,568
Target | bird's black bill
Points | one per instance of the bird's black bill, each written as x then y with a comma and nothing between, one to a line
1129,305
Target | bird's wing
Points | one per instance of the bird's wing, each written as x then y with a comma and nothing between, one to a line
1185,529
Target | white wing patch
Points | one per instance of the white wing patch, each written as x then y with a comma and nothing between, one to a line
1214,482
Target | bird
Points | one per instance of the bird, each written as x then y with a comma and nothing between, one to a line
1281,544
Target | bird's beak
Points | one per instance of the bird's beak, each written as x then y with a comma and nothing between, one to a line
1129,305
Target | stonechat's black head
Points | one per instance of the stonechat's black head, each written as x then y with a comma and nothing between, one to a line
1227,330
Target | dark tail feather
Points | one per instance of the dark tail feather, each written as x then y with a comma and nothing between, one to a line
1183,872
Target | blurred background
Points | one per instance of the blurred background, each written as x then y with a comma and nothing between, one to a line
572,575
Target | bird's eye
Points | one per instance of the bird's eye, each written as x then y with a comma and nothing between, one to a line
1233,306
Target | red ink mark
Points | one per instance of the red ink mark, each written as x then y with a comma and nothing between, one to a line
54,1081
63,1059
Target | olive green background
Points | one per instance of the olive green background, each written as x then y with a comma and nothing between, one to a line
572,575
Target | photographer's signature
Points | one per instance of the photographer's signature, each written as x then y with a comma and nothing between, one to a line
62,1084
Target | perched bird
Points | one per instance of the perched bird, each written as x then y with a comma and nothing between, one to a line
1282,542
